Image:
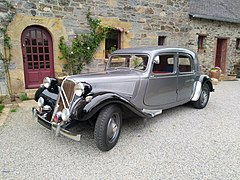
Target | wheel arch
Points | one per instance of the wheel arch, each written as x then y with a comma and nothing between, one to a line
200,81
209,83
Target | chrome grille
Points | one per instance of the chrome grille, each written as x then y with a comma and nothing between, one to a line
66,94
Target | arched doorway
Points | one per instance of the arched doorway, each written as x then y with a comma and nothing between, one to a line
37,50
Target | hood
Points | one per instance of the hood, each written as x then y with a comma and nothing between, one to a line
118,81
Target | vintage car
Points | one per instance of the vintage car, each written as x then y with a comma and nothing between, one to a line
137,81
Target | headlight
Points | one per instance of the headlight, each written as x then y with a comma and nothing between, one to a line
65,114
40,102
46,82
79,89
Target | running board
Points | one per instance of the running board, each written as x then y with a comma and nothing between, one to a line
153,113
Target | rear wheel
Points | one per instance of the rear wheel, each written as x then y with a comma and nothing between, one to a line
108,127
203,99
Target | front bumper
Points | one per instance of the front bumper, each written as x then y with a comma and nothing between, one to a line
56,127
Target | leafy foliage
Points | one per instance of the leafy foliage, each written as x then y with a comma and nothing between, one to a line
23,97
1,107
6,55
14,110
83,46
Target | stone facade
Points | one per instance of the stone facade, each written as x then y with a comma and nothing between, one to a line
214,30
142,23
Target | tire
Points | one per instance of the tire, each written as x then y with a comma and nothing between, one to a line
108,127
203,99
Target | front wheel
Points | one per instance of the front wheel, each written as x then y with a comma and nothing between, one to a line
203,99
108,127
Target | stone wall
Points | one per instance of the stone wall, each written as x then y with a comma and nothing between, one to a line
214,30
142,22
149,19
4,12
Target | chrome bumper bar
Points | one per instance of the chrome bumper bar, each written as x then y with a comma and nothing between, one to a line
56,127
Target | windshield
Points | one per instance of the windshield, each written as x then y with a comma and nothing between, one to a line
138,62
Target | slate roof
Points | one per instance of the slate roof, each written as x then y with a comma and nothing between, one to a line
220,10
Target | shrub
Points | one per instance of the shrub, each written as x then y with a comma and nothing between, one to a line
14,110
23,97
1,107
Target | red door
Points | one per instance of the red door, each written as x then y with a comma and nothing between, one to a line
221,54
37,49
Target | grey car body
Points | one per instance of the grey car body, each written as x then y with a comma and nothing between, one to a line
134,81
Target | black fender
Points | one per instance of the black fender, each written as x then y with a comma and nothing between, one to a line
38,93
199,82
85,110
50,98
205,79
53,88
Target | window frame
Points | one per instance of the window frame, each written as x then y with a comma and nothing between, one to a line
191,63
174,65
201,43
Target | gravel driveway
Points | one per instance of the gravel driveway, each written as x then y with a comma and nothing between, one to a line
182,143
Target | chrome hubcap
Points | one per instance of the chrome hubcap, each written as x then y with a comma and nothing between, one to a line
204,97
113,127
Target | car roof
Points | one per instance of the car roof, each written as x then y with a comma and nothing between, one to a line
153,50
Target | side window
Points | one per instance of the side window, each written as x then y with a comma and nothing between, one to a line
184,64
163,64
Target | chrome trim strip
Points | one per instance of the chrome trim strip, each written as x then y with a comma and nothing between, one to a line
62,92
63,99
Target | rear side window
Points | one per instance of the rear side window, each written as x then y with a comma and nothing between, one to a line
184,64
163,64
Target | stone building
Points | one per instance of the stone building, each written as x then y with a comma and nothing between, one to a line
216,30
38,25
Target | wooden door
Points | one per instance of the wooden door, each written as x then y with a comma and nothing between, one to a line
37,50
221,54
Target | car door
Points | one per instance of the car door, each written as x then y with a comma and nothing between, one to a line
162,83
185,77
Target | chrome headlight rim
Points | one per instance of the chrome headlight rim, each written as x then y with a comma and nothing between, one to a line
46,82
79,89
40,102
65,114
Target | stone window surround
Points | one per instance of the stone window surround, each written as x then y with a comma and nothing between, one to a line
201,43
118,41
238,44
161,40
